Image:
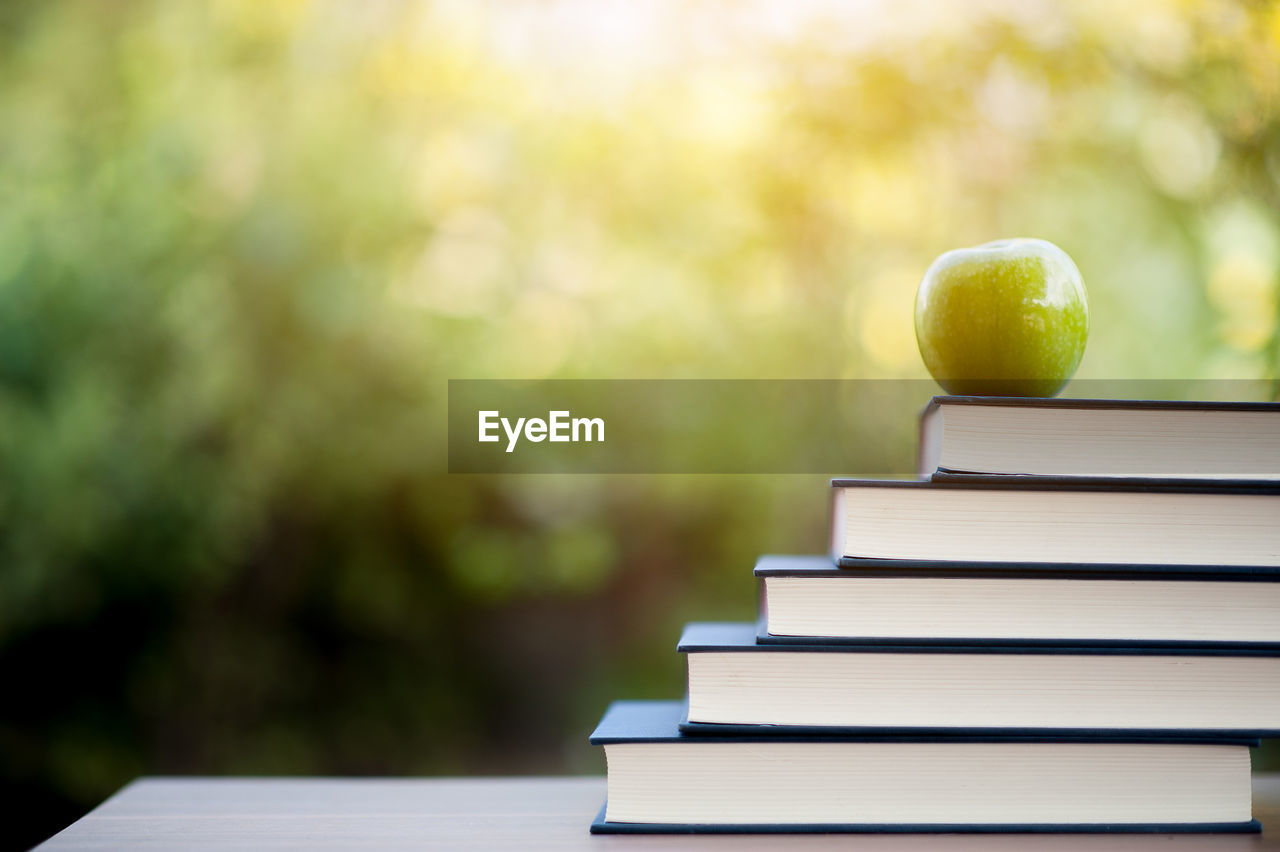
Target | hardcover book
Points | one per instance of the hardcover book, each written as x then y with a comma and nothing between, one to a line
1134,525
1099,438
806,599
1062,690
661,781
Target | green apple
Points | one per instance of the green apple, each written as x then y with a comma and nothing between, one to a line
1008,318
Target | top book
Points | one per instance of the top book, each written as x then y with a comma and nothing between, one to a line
966,436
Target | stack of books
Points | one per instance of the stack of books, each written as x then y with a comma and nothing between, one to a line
1071,622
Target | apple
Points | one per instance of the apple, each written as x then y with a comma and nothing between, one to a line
1007,318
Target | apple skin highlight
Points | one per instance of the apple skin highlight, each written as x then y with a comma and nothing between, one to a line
1007,318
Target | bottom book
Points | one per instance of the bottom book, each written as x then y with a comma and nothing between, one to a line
662,781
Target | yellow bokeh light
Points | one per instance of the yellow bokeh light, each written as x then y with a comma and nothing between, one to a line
1243,289
885,318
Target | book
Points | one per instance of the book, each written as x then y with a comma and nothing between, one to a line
805,599
1100,438
1203,529
662,781
1063,690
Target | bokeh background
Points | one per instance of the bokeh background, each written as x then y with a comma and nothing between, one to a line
245,243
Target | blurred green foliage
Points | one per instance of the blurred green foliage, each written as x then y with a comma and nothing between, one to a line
243,245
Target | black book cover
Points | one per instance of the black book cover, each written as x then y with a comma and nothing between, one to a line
1046,482
666,721
1064,483
601,826
1116,570
1113,404
848,567
740,637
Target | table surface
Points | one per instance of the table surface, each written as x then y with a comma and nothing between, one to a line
497,813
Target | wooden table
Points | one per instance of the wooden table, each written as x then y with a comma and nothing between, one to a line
496,813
